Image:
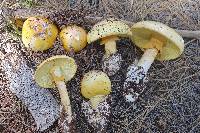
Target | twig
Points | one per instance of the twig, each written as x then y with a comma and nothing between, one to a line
191,41
189,33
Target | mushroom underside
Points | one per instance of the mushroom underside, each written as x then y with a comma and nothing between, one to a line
43,75
172,43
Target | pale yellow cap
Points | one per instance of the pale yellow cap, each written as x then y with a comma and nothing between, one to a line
173,43
95,83
108,27
73,37
38,34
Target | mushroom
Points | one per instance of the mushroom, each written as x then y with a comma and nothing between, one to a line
38,33
157,41
73,38
54,72
96,86
109,31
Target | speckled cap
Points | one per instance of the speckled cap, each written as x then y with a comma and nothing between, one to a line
173,43
108,27
73,37
38,34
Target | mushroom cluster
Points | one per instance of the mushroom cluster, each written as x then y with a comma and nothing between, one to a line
39,34
157,41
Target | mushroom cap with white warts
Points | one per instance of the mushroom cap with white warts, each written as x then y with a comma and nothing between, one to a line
95,83
43,73
108,27
173,43
38,33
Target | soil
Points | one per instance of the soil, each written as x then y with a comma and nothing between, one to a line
170,103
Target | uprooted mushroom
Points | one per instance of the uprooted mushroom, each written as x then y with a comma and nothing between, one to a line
109,31
54,72
157,41
96,86
38,33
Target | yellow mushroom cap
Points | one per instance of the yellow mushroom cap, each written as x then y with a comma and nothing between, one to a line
73,37
108,27
173,43
38,33
95,83
43,73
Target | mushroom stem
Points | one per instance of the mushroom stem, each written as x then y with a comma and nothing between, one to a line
110,45
135,77
151,50
96,100
110,48
64,98
58,78
147,58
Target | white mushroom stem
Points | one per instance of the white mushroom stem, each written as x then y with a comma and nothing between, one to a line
98,118
147,59
136,74
111,60
110,48
110,45
96,100
64,98
58,78
135,77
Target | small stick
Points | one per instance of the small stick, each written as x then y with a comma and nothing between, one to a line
189,33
